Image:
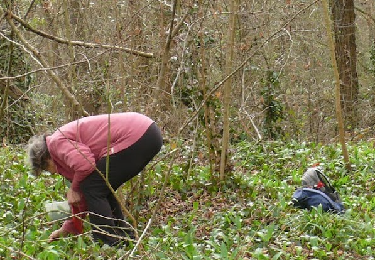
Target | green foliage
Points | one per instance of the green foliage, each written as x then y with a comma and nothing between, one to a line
247,217
272,105
17,119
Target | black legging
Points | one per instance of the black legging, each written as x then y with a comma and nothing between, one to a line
123,166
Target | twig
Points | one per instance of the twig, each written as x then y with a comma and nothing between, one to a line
44,69
369,16
140,238
21,46
77,43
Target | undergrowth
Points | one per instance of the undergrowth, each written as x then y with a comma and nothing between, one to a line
249,216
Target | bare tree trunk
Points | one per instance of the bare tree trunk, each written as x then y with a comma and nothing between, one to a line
52,46
71,75
166,54
228,88
346,56
337,88
203,87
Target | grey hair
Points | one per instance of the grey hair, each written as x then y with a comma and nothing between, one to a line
38,154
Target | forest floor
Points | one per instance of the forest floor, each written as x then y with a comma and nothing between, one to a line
248,216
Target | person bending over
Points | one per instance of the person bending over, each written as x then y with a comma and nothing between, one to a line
78,151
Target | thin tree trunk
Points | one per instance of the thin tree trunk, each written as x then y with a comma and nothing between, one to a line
203,87
340,120
71,75
345,50
227,88
166,53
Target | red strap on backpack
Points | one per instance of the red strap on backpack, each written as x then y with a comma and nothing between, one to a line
320,185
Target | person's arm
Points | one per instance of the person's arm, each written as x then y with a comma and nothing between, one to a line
66,229
75,155
69,226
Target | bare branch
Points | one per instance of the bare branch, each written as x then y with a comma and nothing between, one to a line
369,16
21,46
85,60
54,77
77,43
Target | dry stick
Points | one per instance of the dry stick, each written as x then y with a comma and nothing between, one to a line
252,123
180,67
140,238
340,120
84,60
44,69
369,16
77,43
175,31
22,47
55,78
218,85
180,23
29,9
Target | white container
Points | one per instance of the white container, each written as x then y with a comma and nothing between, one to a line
58,210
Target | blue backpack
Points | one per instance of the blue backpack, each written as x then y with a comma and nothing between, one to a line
316,191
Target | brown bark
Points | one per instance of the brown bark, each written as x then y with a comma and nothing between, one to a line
339,115
203,87
166,54
228,88
346,56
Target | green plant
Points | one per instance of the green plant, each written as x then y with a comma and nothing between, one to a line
248,217
272,105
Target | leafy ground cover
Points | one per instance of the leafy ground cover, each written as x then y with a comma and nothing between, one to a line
247,217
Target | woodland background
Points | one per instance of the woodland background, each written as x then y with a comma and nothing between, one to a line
89,57
212,74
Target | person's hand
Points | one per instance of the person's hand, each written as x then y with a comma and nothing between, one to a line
57,234
73,197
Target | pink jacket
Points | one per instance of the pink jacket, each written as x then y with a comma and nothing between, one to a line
78,145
